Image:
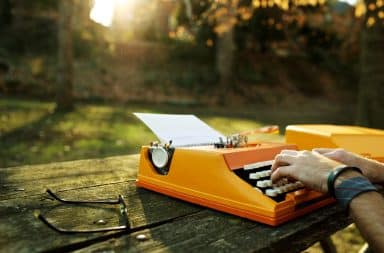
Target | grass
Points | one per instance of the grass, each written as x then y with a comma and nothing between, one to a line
31,133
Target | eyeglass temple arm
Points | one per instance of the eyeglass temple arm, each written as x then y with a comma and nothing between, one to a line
112,202
123,211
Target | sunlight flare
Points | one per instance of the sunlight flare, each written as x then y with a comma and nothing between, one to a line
103,11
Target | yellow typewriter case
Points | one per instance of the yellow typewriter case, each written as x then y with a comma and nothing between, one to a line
207,176
361,140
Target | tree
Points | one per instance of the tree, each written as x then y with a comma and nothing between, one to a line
224,16
64,88
225,47
5,13
371,86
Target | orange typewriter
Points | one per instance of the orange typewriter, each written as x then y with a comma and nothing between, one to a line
232,176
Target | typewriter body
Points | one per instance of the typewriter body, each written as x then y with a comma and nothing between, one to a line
234,176
233,180
367,142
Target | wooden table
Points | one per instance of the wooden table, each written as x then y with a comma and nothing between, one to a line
158,223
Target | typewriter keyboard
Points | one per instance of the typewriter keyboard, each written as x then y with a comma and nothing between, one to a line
259,176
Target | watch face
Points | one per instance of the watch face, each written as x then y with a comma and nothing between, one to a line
160,157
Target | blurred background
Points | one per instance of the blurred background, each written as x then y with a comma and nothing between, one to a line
73,71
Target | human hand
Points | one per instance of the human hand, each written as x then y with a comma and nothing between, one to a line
311,168
372,169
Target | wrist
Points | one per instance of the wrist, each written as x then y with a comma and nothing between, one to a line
355,202
373,169
351,188
377,172
337,174
347,174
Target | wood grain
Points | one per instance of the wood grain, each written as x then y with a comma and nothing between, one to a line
168,224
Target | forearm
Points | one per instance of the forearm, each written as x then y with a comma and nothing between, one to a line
377,171
367,210
346,184
372,169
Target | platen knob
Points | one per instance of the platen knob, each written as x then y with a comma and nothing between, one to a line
160,157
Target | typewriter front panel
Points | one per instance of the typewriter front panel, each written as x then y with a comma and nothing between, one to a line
202,176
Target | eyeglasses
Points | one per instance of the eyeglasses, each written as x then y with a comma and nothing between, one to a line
120,201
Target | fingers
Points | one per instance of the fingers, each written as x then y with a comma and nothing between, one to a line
330,152
281,172
289,152
336,154
282,167
285,157
323,150
282,160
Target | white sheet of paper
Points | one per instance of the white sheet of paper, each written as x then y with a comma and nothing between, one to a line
181,129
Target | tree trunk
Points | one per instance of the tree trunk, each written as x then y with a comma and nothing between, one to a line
161,21
370,109
224,58
64,89
188,10
225,49
83,9
5,13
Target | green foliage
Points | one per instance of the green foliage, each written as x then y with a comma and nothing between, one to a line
262,29
39,5
34,36
188,52
90,43
248,74
5,13
33,30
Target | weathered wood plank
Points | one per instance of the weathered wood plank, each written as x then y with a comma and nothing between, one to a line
22,232
30,180
211,231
